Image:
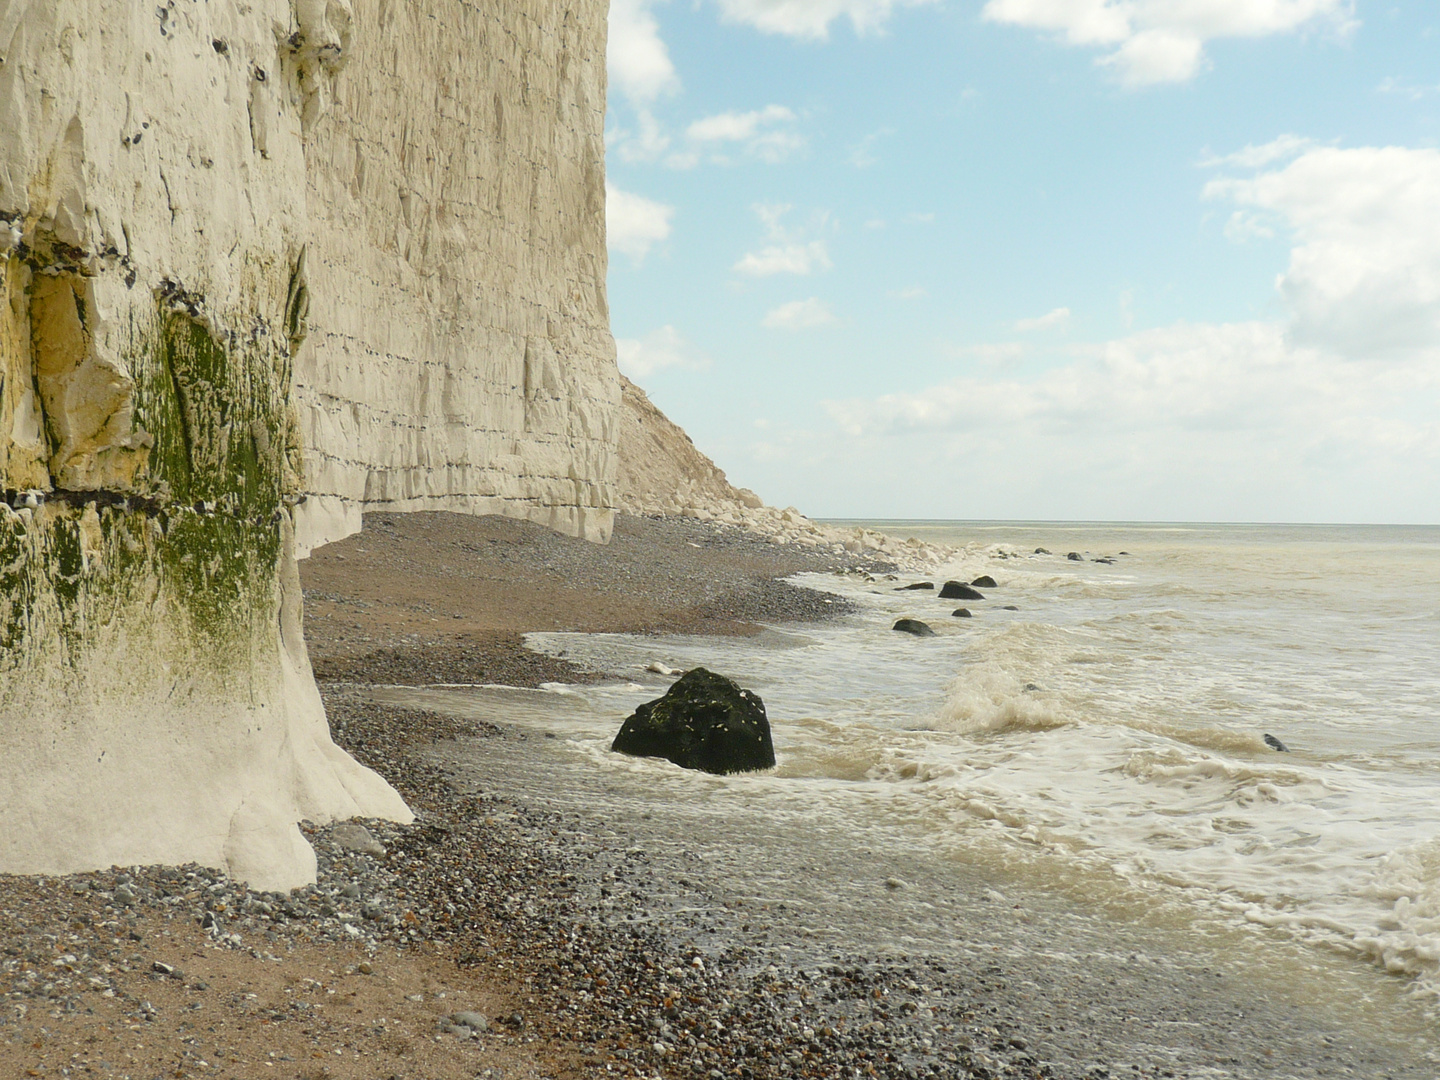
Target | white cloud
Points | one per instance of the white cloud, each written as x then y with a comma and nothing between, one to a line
636,58
766,133
737,126
811,18
1364,276
657,350
1330,413
1190,422
1048,321
1160,41
633,223
992,353
1240,227
790,252
1257,157
799,315
1413,91
862,154
648,143
910,292
1187,375
785,259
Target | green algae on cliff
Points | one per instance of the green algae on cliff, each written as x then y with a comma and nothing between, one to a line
198,532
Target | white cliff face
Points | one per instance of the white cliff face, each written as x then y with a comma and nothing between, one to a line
460,356
264,264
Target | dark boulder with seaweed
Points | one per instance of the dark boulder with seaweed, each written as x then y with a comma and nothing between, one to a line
913,626
958,590
704,722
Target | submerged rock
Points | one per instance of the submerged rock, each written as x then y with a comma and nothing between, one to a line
1042,551
913,626
958,590
703,722
1074,556
1276,744
961,613
917,585
985,581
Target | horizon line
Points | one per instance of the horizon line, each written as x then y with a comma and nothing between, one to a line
1127,521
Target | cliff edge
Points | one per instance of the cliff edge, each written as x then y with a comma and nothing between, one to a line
263,265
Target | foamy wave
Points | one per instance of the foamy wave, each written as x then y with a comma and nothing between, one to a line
988,699
1207,737
898,768
1407,939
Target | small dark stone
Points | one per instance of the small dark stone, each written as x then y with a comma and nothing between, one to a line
961,613
985,581
1042,551
913,626
917,585
1107,560
1031,686
1008,607
1074,556
958,590
704,722
1276,744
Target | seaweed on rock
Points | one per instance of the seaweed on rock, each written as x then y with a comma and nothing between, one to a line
705,722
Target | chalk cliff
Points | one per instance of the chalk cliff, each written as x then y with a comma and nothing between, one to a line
460,356
264,264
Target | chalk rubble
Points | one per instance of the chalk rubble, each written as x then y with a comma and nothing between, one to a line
661,472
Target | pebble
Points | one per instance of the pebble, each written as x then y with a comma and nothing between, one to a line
474,1021
354,837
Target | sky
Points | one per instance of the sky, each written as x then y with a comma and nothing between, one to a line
1148,260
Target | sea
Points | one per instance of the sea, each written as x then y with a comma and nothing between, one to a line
1095,732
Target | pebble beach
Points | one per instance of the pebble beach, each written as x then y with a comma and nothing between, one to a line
518,930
